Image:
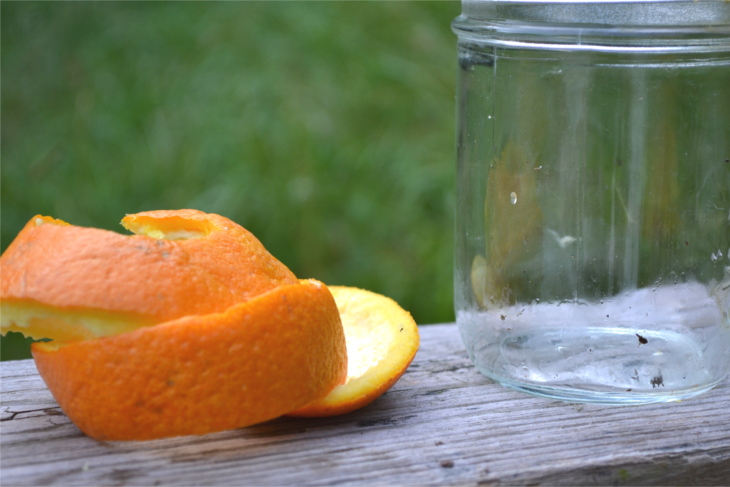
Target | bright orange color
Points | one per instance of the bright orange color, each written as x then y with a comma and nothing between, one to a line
180,263
190,326
253,362
382,340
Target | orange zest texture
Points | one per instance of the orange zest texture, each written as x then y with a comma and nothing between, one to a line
253,362
178,263
189,326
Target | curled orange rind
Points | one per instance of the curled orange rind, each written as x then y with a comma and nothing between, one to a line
190,326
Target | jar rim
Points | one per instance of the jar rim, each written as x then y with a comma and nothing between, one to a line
623,25
699,14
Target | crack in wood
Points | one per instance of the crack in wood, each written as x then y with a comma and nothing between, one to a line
48,411
366,423
434,392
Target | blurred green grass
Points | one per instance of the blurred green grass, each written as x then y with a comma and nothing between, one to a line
325,128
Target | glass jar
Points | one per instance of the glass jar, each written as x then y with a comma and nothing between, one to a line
593,199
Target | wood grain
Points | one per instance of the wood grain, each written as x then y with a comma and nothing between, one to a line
441,424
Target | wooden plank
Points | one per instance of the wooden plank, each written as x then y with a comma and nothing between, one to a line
442,423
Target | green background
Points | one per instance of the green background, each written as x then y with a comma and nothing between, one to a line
325,128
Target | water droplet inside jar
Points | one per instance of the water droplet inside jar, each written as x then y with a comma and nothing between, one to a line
513,198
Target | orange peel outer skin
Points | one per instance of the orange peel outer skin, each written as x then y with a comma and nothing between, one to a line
152,280
253,362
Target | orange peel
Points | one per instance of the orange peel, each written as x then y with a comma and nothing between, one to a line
203,373
80,283
189,326
382,339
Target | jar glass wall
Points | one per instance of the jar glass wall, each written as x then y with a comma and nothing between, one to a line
593,199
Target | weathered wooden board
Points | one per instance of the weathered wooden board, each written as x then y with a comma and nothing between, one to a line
442,423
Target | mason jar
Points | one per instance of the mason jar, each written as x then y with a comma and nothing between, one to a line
593,201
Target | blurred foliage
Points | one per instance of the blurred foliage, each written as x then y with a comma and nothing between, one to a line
325,128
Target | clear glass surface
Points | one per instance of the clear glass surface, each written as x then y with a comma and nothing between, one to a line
593,202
